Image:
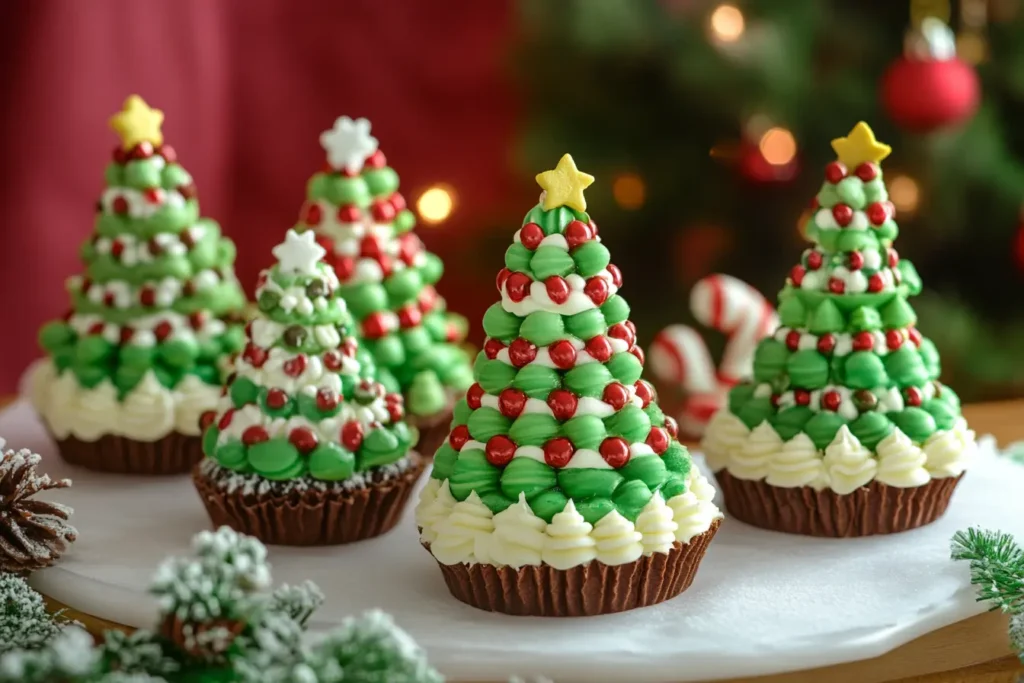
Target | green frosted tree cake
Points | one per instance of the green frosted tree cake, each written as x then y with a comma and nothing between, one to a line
560,466
303,449
387,277
845,401
153,318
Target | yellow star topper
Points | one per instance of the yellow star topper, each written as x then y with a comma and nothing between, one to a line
860,146
564,185
138,122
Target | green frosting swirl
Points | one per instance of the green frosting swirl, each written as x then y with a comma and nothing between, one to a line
533,429
791,311
517,258
864,319
276,459
822,428
944,414
427,395
542,328
790,421
625,367
615,310
864,370
493,375
500,324
870,428
581,483
905,368
549,260
331,462
770,359
524,475
548,504
807,369
471,473
536,381
589,379
485,423
914,422
586,324
652,472
591,258
585,431
755,411
631,423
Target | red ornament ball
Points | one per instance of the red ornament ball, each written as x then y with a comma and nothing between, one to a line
473,396
843,214
499,450
877,213
576,233
531,235
352,435
615,451
276,399
925,95
915,336
522,352
802,397
518,286
312,214
863,341
255,434
599,348
793,340
876,283
597,289
638,352
374,326
332,360
831,400
814,260
623,332
558,452
658,439
672,427
303,439
892,257
459,436
893,339
206,419
645,391
511,402
225,419
913,396
826,343
616,395
563,404
502,277
558,289
293,367
326,400
835,172
616,274
563,354
836,286
855,260
492,347
349,213
797,274
866,171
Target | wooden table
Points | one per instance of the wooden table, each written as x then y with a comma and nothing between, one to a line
975,650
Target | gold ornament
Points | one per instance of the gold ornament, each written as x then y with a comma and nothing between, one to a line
860,146
564,185
138,122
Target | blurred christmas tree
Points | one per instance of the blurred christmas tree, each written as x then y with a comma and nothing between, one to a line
700,118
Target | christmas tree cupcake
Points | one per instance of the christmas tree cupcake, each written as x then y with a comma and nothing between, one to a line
153,320
844,429
302,450
387,278
562,490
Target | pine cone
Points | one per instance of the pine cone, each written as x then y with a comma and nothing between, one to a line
33,533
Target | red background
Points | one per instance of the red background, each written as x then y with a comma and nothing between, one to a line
246,88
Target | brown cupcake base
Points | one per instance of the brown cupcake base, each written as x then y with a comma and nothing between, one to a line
587,590
870,510
433,430
309,516
174,454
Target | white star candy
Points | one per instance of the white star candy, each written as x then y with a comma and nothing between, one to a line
348,144
298,253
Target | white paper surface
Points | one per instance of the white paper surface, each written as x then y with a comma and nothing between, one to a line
762,603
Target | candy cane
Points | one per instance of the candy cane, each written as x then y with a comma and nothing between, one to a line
680,357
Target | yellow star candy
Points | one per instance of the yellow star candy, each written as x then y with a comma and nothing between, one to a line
860,146
138,122
564,185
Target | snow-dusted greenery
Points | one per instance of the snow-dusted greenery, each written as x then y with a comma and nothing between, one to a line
997,569
223,593
24,621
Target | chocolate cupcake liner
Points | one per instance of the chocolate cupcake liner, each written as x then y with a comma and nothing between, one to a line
174,454
870,510
588,590
310,516
433,430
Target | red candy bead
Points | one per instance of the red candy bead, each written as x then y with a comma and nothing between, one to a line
332,361
163,331
207,419
196,320
893,339
576,233
143,150
303,439
797,274
254,355
593,226
473,396
855,260
225,419
376,160
826,343
349,213
293,367
892,257
96,328
802,397
599,348
597,289
558,452
120,205
326,400
876,283
459,436
793,340
108,299
374,326
408,247
645,391
522,352
352,435
492,347
531,235
814,260
866,171
502,277
831,400
312,214
616,274
616,395
409,316
638,352
836,286
615,451
843,214
116,248
863,341
398,202
254,435
877,214
915,336
518,286
344,266
672,427
558,289
563,404
623,332
914,397
511,402
499,450
383,211
370,247
153,195
427,299
126,334
276,399
658,440
562,354
834,172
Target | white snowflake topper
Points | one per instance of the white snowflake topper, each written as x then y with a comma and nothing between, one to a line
348,143
299,253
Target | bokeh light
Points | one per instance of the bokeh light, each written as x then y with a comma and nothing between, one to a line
436,204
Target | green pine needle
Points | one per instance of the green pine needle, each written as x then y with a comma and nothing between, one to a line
997,569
